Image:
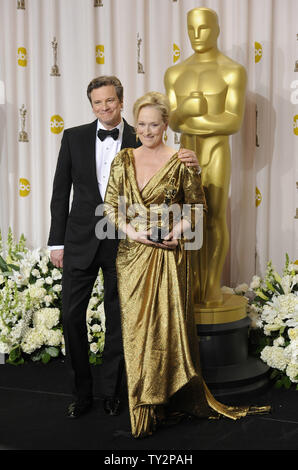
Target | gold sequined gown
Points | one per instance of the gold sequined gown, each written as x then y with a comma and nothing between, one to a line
159,336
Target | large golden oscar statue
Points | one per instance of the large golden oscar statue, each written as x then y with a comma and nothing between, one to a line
207,96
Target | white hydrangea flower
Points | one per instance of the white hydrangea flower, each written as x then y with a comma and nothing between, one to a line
275,357
47,317
4,348
32,340
292,372
291,351
53,337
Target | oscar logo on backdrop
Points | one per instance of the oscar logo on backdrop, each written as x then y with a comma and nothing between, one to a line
55,69
207,96
23,136
21,5
140,68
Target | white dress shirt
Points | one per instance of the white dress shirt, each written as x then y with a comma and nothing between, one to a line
106,151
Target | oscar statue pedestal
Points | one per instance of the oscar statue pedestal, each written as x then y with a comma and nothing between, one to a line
227,368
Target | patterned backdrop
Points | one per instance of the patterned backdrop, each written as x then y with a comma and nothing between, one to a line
51,49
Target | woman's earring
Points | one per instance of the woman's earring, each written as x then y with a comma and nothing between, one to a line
165,136
137,138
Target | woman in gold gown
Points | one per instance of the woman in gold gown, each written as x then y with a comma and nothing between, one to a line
154,279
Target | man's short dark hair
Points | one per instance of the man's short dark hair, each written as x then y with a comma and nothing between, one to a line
106,80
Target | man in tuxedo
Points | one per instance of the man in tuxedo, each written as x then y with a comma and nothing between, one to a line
85,156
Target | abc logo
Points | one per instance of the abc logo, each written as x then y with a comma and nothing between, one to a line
24,187
176,52
258,52
22,56
258,197
57,124
295,124
100,53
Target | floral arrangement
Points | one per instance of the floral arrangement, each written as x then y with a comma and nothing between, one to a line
273,310
30,312
30,306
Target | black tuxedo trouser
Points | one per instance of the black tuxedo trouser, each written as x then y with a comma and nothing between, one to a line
77,285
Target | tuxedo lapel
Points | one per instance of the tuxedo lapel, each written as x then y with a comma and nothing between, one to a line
90,146
129,136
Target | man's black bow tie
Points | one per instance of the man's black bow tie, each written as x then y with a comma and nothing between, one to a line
102,133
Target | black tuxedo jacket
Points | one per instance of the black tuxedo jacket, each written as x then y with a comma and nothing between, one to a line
76,168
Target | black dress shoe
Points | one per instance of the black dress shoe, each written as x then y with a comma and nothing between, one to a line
111,405
78,408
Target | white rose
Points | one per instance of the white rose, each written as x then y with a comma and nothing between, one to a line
95,328
57,288
255,283
56,274
293,333
94,348
227,290
242,288
36,292
48,299
35,273
93,301
280,341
